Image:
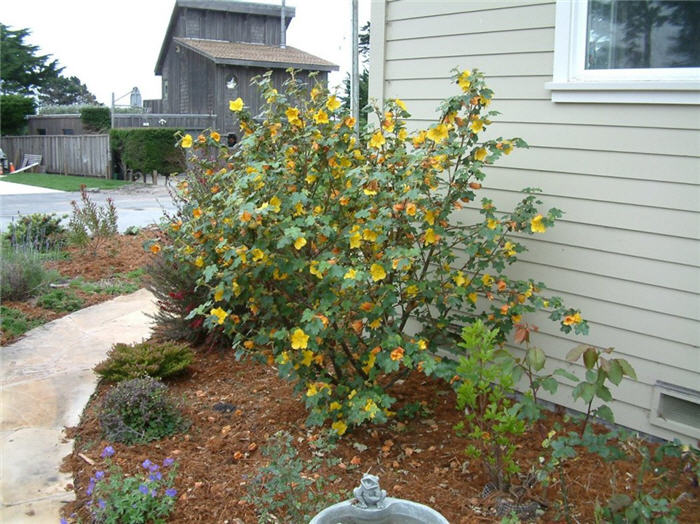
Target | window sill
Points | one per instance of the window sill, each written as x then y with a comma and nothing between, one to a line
642,92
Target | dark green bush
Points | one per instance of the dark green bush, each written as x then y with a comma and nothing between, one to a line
60,300
15,323
40,231
144,359
13,110
147,150
138,411
96,118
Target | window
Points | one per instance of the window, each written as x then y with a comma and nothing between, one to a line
41,131
69,131
633,51
165,89
231,82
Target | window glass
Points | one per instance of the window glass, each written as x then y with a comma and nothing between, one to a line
41,131
642,34
231,82
69,131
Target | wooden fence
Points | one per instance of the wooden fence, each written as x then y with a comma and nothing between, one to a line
86,155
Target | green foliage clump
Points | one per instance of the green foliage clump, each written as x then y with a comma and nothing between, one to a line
285,490
148,496
484,388
13,110
15,323
22,273
96,118
92,224
141,359
60,300
40,231
146,150
346,260
139,411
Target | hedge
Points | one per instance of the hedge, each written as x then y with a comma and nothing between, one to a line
147,150
96,118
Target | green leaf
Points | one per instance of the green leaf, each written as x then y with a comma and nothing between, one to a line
535,358
615,372
604,393
575,353
605,413
209,272
563,373
627,368
550,384
590,356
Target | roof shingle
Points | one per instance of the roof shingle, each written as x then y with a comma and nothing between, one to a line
240,53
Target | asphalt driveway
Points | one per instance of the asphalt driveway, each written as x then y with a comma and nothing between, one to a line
137,204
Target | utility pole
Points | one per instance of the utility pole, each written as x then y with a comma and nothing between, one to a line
355,75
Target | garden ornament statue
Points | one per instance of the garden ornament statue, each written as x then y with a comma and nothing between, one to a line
372,506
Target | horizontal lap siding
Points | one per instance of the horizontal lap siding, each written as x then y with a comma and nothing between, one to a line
626,176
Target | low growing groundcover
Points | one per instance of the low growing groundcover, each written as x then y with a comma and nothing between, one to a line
236,408
62,182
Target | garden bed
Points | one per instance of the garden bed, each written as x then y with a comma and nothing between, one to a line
420,458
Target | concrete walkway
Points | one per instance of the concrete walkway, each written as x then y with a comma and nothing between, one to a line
46,380
10,188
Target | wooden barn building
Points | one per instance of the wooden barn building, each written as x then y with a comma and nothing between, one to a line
212,49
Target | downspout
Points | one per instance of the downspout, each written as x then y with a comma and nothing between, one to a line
283,35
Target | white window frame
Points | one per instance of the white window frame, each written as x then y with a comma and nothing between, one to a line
573,83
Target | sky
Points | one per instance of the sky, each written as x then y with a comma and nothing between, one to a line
113,46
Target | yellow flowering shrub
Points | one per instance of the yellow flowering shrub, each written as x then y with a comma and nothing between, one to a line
340,256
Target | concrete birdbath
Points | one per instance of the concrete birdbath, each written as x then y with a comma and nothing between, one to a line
372,506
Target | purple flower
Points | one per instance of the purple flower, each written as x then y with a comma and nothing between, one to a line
91,487
100,475
107,452
146,464
171,492
155,476
64,521
143,489
153,467
153,493
102,503
168,462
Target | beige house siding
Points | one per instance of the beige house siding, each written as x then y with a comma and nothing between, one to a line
627,176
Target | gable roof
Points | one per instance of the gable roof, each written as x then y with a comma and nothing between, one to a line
230,6
258,55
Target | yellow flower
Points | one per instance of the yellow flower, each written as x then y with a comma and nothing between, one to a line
313,269
476,125
350,275
411,209
311,391
402,134
463,80
369,235
509,249
377,140
321,117
199,261
438,133
419,138
220,314
422,344
480,154
197,213
371,408
235,105
350,122
215,136
355,240
272,97
315,92
570,320
491,223
275,204
536,225
186,141
334,405
258,254
472,297
377,272
487,280
155,249
218,294
307,357
375,323
370,362
400,103
236,288
412,290
430,236
300,340
299,243
430,217
340,427
459,278
333,103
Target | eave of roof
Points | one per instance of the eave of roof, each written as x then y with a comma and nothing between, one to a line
232,6
256,55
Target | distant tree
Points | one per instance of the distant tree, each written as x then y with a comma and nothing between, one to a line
63,91
363,49
13,110
23,71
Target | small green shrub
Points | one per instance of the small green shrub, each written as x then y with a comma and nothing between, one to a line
15,323
60,300
148,496
92,224
147,150
138,411
13,112
132,230
96,118
41,231
284,490
22,273
152,359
